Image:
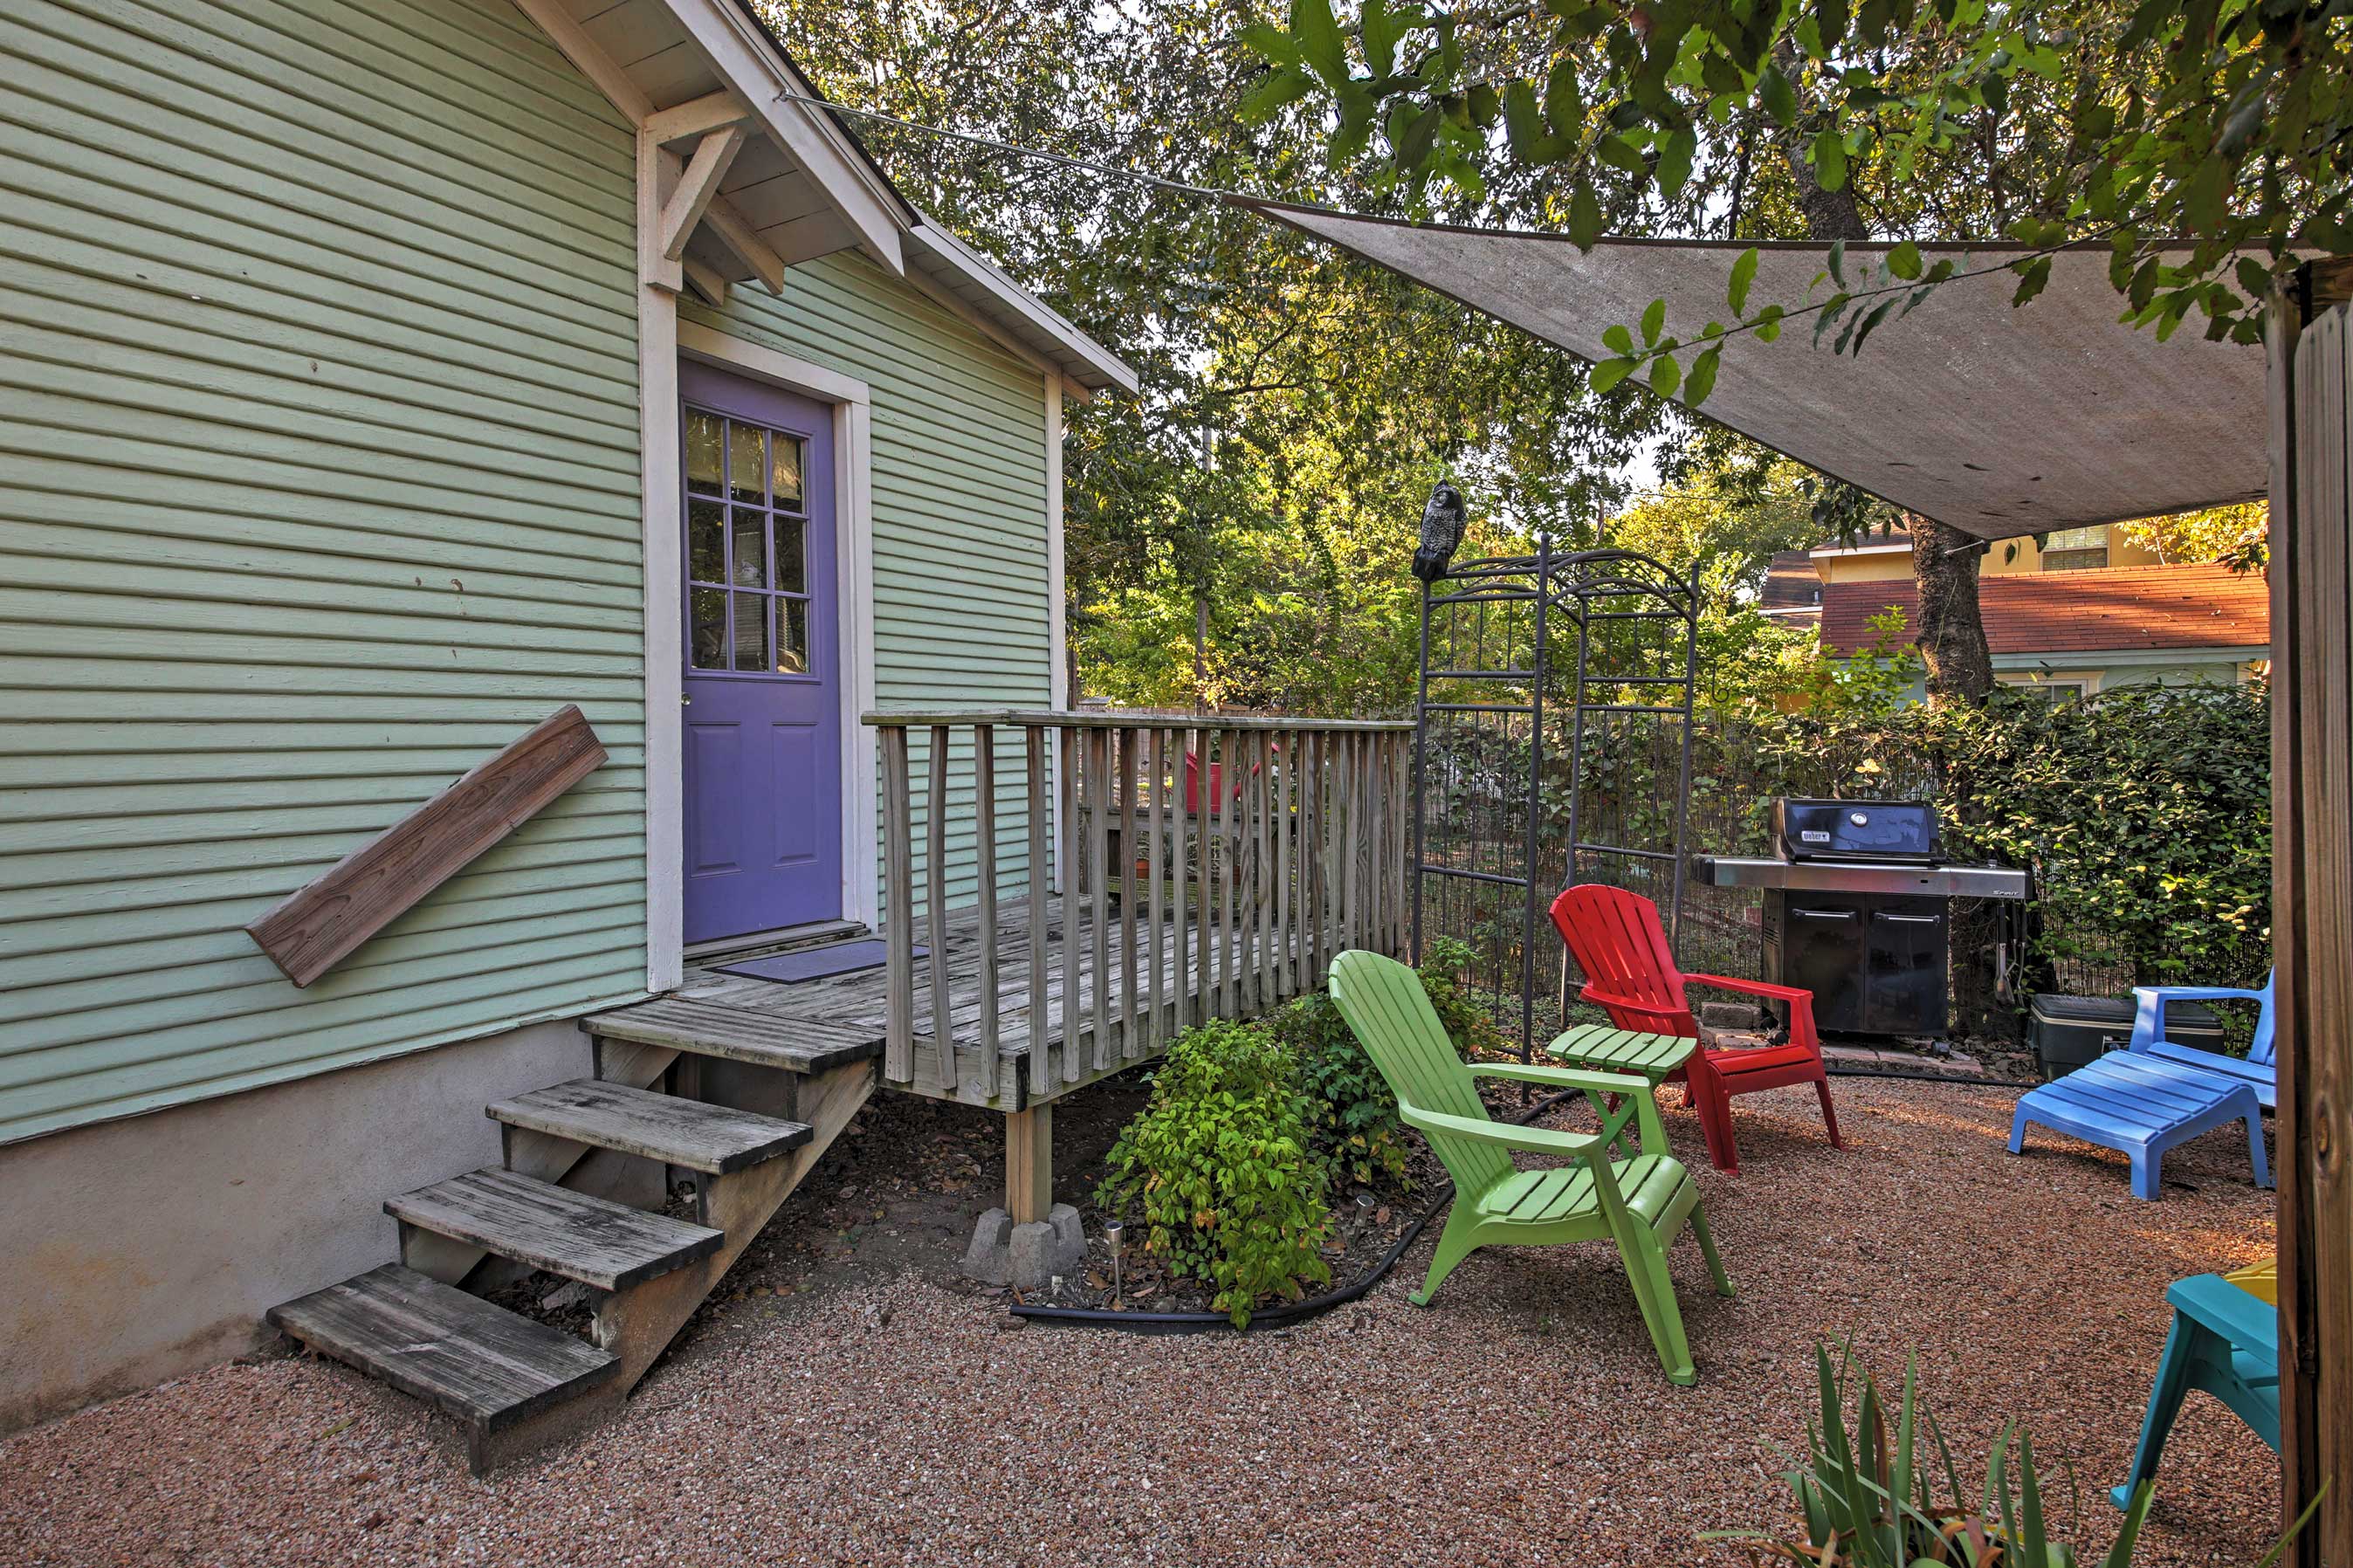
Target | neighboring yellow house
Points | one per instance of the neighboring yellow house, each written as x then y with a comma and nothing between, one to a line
1879,558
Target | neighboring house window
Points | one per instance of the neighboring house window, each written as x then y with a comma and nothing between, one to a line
2076,549
2054,691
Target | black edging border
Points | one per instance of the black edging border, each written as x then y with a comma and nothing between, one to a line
1316,1306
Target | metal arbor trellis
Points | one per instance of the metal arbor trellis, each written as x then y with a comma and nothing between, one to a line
1539,762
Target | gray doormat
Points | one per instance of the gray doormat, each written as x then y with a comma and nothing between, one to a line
817,963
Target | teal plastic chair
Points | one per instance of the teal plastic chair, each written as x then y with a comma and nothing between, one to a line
1641,1202
2225,1341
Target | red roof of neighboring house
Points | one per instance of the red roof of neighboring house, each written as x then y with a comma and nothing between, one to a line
1791,585
2107,611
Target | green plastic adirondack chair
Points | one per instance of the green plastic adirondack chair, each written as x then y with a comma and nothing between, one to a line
1640,1203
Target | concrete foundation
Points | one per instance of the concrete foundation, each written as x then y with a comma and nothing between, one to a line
1029,1257
149,1248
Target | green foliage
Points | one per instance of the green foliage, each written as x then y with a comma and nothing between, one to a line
1872,1499
1464,1017
1349,1113
2236,536
1349,1109
1870,685
2146,812
2227,121
1219,1168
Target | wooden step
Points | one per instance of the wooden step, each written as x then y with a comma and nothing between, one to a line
480,1362
608,1244
688,1133
713,1029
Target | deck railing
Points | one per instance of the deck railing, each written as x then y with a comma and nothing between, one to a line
1194,866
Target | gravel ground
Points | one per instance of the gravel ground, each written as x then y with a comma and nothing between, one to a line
889,1419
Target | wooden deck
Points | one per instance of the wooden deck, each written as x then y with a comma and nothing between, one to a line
1158,981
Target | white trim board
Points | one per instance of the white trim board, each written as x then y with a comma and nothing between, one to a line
1058,673
853,467
664,631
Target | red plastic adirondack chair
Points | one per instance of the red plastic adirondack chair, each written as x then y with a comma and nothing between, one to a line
1629,972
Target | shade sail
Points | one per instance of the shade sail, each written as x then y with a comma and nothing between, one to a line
1999,421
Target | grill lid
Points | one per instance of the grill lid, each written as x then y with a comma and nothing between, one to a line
1899,831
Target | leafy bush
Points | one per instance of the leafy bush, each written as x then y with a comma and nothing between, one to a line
1350,1112
1219,1167
1467,1020
2146,813
1345,1104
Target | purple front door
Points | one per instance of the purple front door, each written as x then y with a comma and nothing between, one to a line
762,741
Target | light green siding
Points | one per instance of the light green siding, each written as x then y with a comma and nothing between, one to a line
963,609
319,481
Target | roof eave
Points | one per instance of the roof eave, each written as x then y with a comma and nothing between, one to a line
1025,318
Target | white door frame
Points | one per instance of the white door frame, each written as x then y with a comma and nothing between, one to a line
854,594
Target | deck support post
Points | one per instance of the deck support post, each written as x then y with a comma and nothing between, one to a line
1029,1163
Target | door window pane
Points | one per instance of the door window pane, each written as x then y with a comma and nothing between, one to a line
707,644
791,575
751,550
706,546
746,457
792,636
751,633
785,472
703,435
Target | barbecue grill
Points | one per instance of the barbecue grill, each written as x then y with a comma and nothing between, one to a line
1857,910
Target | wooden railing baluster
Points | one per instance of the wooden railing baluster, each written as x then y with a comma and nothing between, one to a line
1261,871
1040,888
898,912
1099,887
1066,867
1155,868
1312,860
984,817
1131,822
935,904
1184,852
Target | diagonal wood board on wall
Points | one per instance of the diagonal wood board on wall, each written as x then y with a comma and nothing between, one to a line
323,922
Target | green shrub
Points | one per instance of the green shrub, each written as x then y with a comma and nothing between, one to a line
1345,1103
1468,1022
1218,1167
1350,1113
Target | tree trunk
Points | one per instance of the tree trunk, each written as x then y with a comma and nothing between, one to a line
1951,626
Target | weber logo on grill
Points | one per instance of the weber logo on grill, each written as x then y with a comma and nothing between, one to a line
1813,836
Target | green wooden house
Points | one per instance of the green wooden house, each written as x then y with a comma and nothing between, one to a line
384,384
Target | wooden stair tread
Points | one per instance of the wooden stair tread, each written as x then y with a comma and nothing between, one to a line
598,1242
735,1034
479,1362
689,1133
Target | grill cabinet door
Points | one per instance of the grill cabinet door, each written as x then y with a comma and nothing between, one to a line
1904,994
1822,951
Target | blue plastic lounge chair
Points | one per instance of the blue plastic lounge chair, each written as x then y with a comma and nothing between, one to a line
2224,1341
2257,1070
2142,1105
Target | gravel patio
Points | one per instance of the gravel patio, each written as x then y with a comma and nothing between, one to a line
874,1413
